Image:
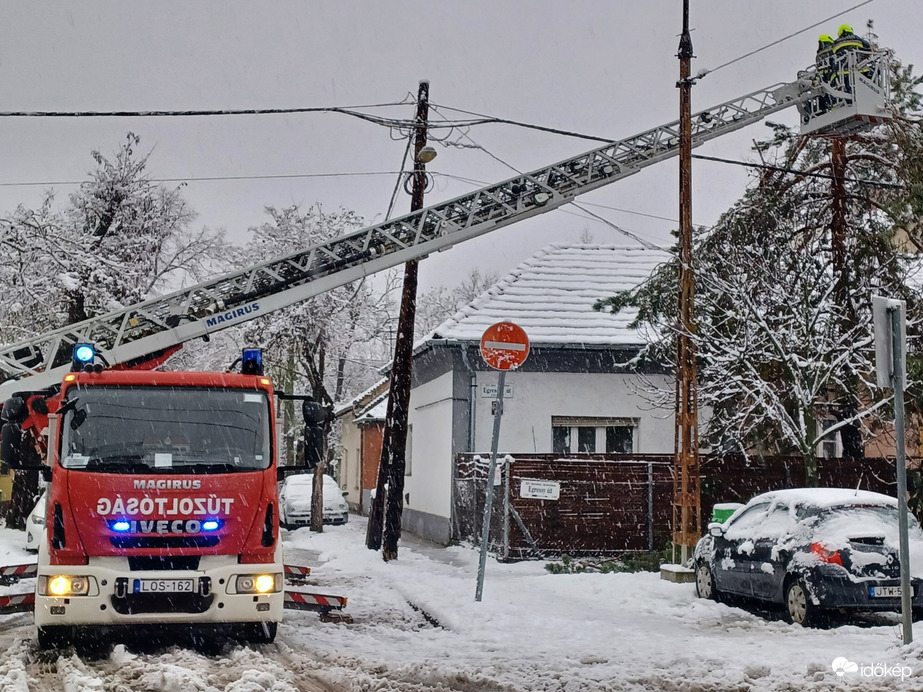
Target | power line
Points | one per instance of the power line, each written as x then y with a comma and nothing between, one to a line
780,169
348,110
281,176
702,73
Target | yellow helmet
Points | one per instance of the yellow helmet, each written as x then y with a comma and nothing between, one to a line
844,29
825,38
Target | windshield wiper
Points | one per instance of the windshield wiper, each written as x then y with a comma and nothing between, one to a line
116,463
205,467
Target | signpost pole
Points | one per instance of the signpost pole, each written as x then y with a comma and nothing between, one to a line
504,346
507,469
890,345
489,501
897,358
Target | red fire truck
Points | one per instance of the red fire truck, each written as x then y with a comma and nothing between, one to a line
162,505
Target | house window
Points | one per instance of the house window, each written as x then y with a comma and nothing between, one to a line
592,435
560,440
586,439
620,439
830,446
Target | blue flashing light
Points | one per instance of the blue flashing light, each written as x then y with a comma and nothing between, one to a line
83,354
120,525
251,361
211,525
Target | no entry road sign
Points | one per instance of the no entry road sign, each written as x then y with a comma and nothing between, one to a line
504,346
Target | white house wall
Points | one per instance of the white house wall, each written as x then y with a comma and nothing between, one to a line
537,396
430,484
350,465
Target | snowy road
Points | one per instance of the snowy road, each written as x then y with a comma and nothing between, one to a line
418,628
165,669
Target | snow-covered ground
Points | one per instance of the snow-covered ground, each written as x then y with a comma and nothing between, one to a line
417,627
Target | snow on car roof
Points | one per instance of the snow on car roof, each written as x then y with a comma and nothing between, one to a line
825,497
307,479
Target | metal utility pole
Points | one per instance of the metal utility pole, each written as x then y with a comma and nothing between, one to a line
391,465
687,509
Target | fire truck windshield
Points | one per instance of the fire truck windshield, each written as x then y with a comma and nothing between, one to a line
165,430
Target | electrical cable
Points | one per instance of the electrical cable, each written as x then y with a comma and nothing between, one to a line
282,176
704,72
644,243
400,177
490,120
826,176
349,110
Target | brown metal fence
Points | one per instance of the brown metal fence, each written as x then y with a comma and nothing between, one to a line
612,504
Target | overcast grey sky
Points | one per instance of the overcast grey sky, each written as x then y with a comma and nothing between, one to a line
601,67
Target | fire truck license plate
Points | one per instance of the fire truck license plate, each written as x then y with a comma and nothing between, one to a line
164,585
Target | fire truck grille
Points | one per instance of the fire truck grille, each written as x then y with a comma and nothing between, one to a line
149,563
164,541
138,603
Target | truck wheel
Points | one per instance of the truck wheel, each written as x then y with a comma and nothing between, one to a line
262,632
55,637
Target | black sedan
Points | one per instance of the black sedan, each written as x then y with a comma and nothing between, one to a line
814,551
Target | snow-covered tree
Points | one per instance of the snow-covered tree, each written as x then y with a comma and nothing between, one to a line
118,240
330,345
131,237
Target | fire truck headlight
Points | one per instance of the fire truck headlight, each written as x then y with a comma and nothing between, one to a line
63,586
259,583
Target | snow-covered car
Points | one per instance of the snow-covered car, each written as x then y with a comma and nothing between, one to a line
814,551
295,502
35,524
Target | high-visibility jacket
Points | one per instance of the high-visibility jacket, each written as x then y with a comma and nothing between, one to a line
823,60
850,42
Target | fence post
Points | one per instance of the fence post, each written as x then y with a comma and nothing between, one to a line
650,505
507,468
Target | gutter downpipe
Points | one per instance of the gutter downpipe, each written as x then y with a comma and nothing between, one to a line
472,396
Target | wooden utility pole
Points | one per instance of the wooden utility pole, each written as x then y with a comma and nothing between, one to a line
687,507
850,434
838,218
391,465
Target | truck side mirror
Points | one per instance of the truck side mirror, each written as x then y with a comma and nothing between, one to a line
314,415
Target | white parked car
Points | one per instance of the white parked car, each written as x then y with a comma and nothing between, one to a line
35,524
295,501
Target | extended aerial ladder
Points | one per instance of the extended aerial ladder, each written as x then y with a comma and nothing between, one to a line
162,323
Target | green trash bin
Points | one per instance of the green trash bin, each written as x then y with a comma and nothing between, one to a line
722,511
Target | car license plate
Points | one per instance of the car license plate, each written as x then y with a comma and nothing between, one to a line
164,585
885,591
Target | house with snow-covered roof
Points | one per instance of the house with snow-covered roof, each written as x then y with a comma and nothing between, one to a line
578,391
362,420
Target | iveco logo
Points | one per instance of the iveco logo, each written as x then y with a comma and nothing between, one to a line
162,526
